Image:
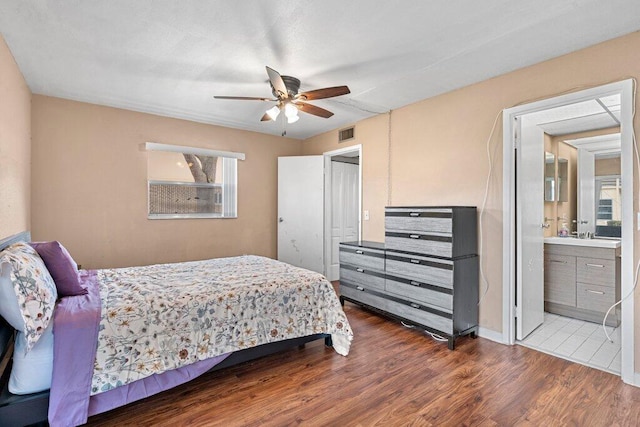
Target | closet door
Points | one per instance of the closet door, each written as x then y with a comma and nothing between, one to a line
344,211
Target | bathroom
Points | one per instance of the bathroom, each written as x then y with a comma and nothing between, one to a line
582,247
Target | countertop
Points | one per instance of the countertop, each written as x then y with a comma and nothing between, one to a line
595,243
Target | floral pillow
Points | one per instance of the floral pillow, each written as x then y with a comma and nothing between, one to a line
34,288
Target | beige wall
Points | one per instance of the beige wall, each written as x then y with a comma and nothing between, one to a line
15,146
369,133
608,166
438,153
90,186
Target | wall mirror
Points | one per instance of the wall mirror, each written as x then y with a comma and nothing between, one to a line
563,179
599,187
549,177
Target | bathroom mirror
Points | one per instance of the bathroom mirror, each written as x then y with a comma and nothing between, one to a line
549,177
599,187
563,179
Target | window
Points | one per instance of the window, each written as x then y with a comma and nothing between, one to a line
605,209
185,182
608,206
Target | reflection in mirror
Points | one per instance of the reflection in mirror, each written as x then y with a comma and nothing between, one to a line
549,177
563,177
609,206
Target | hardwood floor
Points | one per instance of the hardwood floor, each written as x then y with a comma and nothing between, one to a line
393,376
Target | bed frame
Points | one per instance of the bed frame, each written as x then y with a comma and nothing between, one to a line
22,410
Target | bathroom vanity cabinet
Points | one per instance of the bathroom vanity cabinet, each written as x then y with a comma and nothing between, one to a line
582,281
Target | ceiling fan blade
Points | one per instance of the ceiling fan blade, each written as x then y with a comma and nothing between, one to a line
265,118
245,98
312,109
328,92
278,84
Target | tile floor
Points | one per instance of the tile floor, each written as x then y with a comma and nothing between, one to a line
578,341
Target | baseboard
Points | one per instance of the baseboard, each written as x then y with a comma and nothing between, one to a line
635,380
490,335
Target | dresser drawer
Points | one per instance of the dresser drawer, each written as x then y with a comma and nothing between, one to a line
438,272
362,277
441,298
369,259
596,271
418,220
428,244
595,297
409,310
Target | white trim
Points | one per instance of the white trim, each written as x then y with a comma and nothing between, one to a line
628,233
156,146
508,225
625,89
491,335
636,380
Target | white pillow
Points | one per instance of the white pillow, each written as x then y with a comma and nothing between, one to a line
31,371
34,289
9,307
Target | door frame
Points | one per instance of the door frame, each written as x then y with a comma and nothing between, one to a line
626,89
328,196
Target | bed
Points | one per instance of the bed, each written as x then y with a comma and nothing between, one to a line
129,333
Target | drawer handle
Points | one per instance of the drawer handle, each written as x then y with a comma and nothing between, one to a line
359,252
558,261
595,265
595,292
415,261
414,214
414,305
414,283
360,288
414,236
360,270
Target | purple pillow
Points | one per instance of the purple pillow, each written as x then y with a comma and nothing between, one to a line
62,267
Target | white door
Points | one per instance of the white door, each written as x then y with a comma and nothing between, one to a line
529,226
344,211
586,192
301,211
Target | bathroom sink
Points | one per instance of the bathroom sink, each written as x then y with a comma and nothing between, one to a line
595,243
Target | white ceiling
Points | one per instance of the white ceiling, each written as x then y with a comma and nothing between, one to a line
170,57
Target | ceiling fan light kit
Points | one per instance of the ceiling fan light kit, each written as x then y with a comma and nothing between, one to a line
285,89
273,112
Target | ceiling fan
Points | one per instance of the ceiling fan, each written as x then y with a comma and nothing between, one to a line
285,89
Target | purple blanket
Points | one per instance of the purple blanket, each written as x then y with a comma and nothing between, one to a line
75,328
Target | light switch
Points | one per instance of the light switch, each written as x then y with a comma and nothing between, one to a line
366,215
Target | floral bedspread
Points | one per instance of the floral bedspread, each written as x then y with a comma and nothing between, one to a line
160,317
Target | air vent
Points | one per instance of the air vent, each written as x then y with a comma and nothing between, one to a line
346,134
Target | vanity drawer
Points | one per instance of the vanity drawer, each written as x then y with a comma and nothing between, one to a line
560,279
421,292
369,259
595,297
438,272
419,220
596,271
362,277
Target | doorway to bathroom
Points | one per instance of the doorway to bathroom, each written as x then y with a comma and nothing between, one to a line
526,218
